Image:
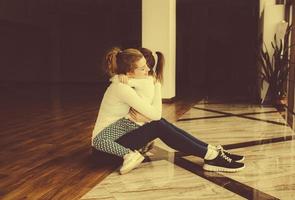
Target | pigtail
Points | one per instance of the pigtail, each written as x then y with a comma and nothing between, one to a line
110,61
160,66
150,59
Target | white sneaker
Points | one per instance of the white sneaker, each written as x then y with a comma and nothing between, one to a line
131,161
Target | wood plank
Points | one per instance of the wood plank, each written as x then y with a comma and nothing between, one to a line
45,140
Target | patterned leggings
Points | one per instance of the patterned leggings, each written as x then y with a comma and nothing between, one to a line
105,140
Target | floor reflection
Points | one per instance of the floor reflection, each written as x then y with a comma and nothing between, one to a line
268,146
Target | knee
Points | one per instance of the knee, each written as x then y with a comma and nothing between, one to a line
163,121
156,122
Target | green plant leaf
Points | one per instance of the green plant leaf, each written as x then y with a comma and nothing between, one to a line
262,59
275,68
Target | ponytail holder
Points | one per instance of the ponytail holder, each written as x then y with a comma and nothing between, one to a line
119,52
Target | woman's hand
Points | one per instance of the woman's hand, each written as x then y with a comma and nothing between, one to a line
137,117
123,78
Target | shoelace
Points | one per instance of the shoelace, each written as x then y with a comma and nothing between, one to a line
225,157
220,148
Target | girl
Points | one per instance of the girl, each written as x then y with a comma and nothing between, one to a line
121,136
143,86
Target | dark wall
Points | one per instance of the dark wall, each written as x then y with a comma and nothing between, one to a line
24,52
63,40
216,42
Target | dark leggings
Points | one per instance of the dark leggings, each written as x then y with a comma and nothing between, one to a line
171,135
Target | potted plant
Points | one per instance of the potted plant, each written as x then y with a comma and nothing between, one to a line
275,67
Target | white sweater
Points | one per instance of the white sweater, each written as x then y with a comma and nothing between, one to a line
119,97
144,87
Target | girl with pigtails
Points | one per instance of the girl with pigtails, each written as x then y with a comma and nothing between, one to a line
130,115
145,87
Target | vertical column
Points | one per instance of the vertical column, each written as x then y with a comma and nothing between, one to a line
291,84
159,34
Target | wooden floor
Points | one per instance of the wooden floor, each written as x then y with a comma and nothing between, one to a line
45,140
46,154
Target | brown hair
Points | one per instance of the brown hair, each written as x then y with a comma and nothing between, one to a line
150,60
119,61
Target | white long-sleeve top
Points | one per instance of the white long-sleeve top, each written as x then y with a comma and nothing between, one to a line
144,87
118,99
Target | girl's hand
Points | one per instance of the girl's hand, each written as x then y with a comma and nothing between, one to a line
137,117
123,78
154,79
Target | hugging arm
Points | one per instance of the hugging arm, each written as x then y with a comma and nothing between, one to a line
157,100
152,111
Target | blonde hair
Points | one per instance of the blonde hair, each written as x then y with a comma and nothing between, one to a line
119,61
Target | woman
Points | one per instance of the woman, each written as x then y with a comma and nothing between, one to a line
116,134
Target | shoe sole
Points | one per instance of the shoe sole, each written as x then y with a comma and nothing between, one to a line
139,161
241,160
213,168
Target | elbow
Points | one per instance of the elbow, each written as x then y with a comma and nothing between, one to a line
157,117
